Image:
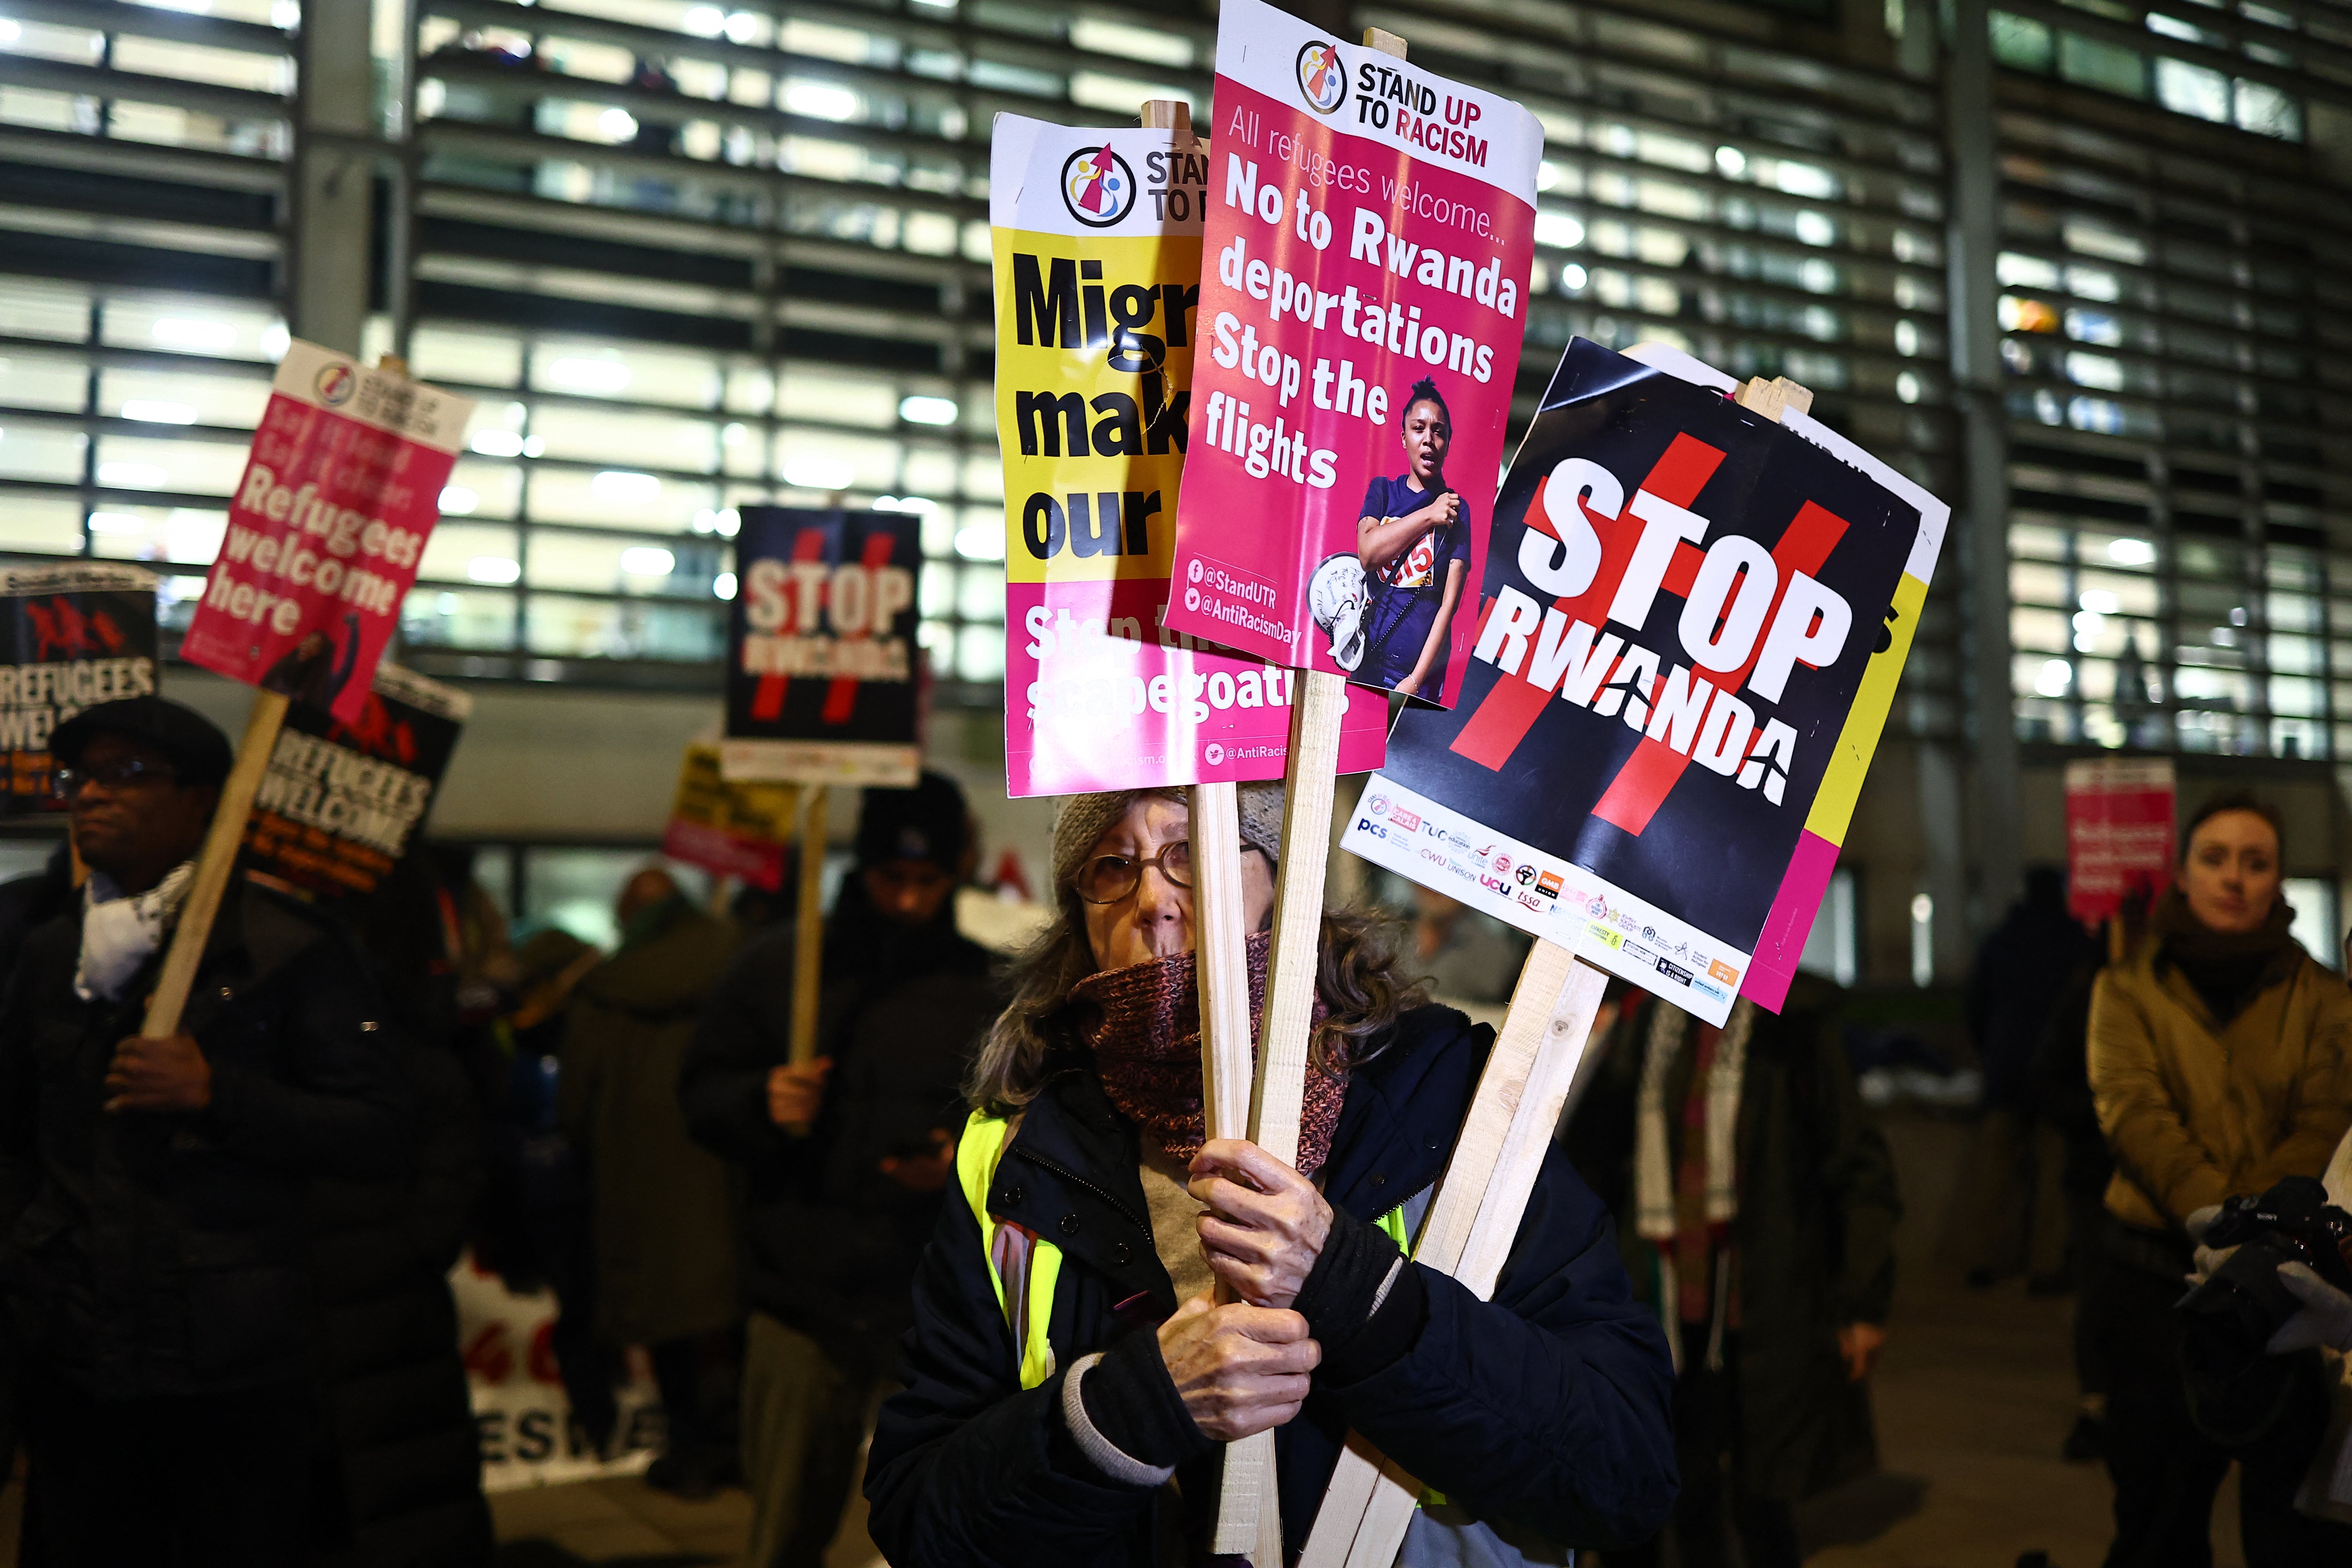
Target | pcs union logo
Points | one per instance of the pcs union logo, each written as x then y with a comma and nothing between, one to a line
1322,78
1098,187
335,384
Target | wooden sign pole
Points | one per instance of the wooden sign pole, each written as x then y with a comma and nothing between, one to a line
217,859
1474,1218
214,865
808,930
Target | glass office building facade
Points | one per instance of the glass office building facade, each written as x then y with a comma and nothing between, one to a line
693,256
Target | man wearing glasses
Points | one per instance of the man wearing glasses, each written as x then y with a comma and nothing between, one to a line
153,1191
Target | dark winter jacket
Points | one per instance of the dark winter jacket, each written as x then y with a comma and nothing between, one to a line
1544,1409
164,1253
1815,1236
2021,974
402,1487
407,1458
831,1242
664,1213
28,902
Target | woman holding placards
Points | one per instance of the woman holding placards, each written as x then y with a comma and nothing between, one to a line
1413,540
1069,1359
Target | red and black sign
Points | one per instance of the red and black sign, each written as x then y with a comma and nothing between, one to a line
71,637
822,659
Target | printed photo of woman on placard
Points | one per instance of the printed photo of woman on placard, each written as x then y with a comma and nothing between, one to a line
1413,541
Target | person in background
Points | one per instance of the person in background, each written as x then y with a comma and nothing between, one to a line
2218,1066
537,1231
1044,1423
2062,1088
849,1157
2021,973
402,1483
1756,1202
661,1209
1467,956
154,1192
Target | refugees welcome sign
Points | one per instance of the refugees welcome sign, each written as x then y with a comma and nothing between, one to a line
1362,301
326,527
1694,618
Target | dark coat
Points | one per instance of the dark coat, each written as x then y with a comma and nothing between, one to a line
1815,1235
2022,972
404,1488
153,1254
662,1211
1545,1408
393,1381
830,1242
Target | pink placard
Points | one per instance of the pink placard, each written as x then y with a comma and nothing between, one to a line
2119,817
327,526
1364,268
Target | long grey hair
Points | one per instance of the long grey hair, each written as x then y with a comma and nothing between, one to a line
1041,1030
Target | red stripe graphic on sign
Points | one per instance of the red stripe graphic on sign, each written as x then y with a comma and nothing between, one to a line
1509,710
1641,786
768,701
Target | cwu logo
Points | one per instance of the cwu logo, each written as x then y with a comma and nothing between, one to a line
1322,80
1098,187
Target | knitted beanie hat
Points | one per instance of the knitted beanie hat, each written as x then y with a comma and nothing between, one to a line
1087,818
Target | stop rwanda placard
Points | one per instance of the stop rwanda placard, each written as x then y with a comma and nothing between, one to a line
1676,580
1363,278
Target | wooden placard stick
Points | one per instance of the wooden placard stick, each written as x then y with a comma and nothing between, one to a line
1474,1219
214,865
808,930
217,861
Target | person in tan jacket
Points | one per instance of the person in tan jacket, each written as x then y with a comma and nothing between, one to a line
2218,1062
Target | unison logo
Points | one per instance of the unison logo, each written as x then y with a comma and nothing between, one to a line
1322,80
1098,187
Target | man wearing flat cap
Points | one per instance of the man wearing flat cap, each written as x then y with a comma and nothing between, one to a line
849,1157
153,1191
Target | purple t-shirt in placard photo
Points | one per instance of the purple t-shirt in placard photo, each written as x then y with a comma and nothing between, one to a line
1405,595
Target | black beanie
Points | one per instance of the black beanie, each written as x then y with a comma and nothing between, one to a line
928,821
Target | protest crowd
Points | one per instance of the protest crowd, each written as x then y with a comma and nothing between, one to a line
227,1283
1385,1105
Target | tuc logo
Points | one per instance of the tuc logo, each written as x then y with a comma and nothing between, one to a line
335,384
1098,187
1322,80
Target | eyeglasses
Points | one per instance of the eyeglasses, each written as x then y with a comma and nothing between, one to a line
1107,878
65,783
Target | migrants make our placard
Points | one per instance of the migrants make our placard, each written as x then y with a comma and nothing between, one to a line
327,526
1695,619
821,667
1369,236
1097,241
342,801
730,829
71,636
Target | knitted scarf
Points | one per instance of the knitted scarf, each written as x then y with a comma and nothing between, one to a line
2228,969
1146,1040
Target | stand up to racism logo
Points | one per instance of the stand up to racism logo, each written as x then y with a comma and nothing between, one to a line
1322,78
1098,187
